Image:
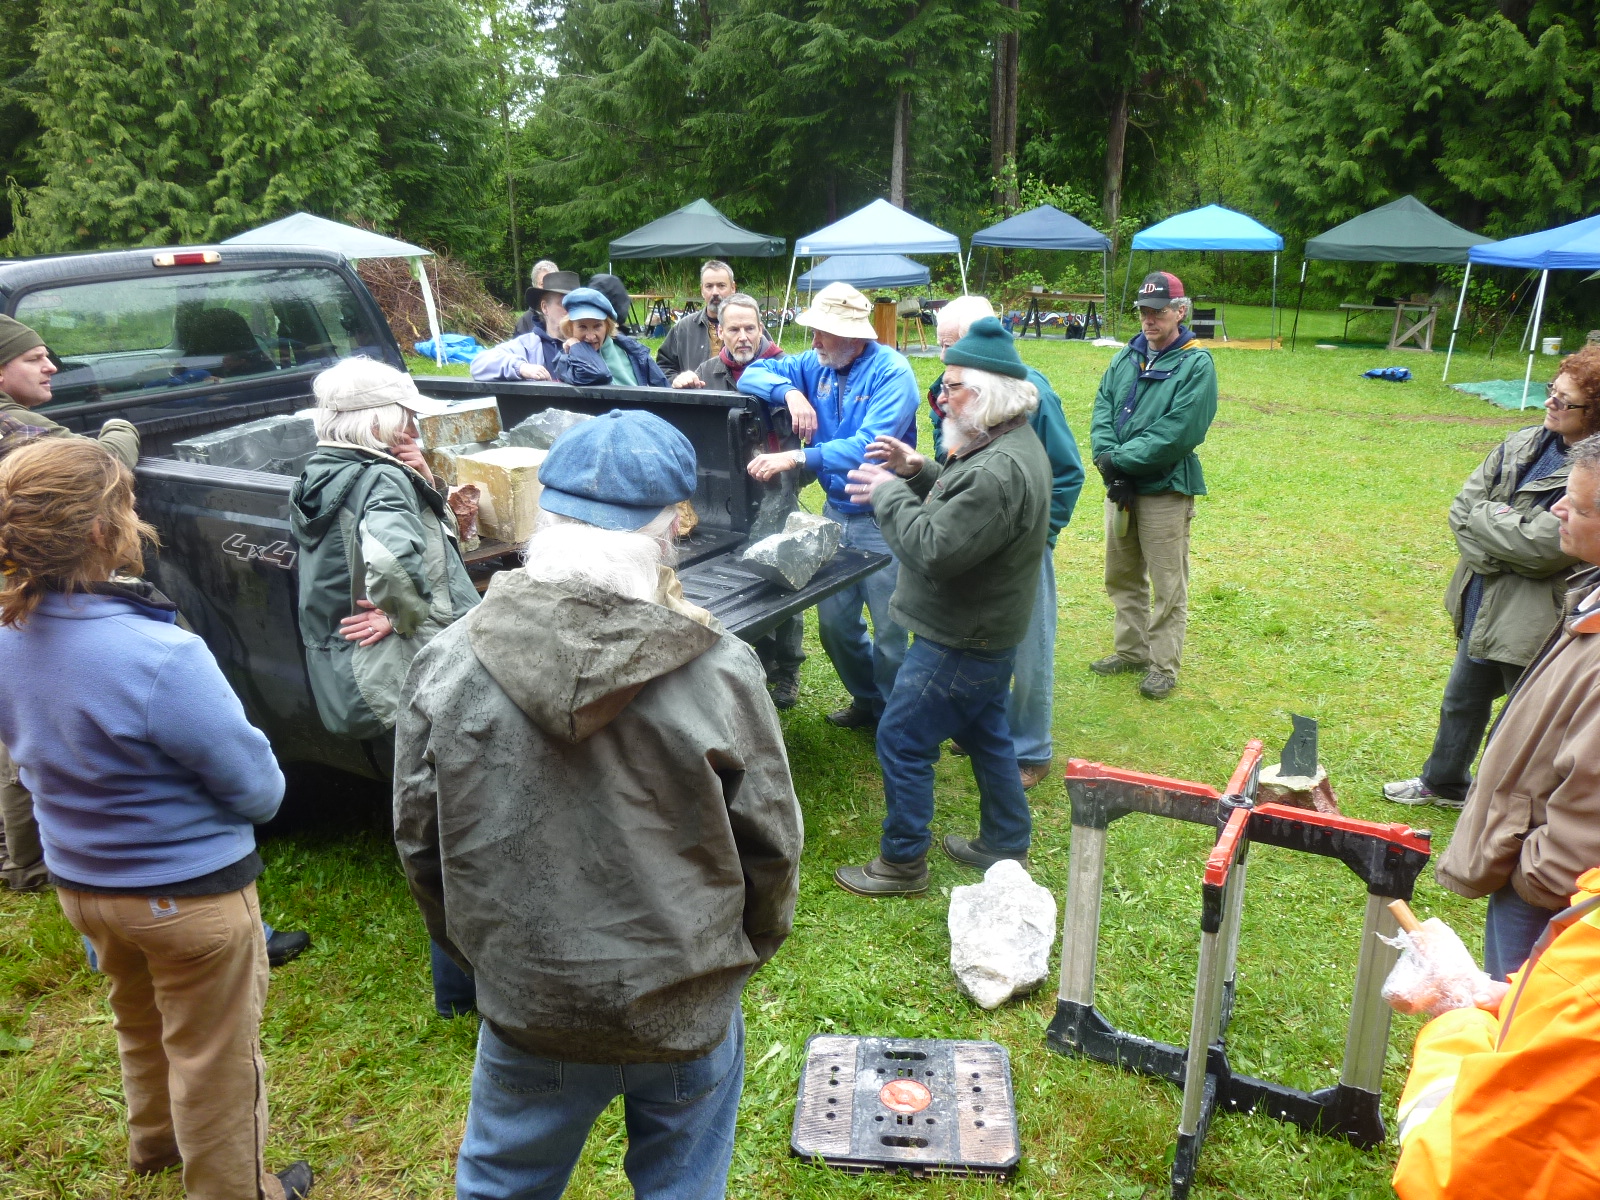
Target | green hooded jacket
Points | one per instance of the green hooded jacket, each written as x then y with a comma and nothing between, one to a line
1157,444
370,528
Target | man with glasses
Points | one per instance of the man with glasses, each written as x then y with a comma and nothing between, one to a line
1508,585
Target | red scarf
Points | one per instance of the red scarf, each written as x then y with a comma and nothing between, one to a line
766,350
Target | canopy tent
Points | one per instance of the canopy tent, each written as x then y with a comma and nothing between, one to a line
304,229
865,271
1402,231
879,228
1048,228
697,230
1574,247
1210,228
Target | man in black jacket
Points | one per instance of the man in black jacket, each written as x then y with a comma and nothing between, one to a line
694,339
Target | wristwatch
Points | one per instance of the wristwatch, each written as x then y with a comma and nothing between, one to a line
799,458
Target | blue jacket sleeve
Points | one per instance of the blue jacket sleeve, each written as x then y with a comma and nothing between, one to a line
195,717
582,366
890,411
506,360
771,378
649,374
1066,465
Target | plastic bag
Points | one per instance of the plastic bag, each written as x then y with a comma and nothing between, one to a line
1435,974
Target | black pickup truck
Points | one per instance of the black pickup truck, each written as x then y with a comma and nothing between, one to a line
189,341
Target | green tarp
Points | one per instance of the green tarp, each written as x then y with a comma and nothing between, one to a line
697,230
1504,393
1403,231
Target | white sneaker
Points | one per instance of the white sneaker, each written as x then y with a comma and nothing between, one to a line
1414,791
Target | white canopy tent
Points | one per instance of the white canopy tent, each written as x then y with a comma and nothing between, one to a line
879,228
304,229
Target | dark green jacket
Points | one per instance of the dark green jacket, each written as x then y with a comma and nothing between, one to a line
1157,444
969,537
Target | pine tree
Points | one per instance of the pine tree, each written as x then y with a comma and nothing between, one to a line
190,120
19,128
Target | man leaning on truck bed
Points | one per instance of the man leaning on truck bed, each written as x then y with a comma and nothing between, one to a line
25,370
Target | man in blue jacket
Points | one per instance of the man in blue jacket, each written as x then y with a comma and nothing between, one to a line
843,393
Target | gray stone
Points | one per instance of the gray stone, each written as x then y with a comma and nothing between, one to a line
276,445
1001,932
789,559
540,431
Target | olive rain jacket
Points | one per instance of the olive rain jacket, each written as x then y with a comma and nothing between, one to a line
1156,444
116,435
1533,815
594,811
370,528
1508,535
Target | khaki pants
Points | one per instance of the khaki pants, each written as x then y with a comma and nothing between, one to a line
21,856
1147,578
188,983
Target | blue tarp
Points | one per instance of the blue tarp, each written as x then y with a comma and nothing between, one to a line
458,347
1043,228
865,271
1210,228
1574,247
879,228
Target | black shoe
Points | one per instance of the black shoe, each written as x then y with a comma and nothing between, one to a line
879,878
1157,685
785,689
286,945
971,852
854,717
296,1180
1115,664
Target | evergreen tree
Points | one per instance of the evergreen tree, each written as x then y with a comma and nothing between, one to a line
19,128
190,120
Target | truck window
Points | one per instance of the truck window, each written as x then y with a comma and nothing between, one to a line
168,340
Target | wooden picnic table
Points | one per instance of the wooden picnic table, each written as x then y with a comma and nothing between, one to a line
1091,313
1419,333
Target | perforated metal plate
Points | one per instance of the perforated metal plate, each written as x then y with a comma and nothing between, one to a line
918,1105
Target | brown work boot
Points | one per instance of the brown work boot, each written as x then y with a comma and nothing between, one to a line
880,878
1033,773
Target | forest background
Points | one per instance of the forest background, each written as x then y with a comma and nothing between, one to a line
502,131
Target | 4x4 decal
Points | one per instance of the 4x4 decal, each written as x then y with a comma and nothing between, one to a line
279,554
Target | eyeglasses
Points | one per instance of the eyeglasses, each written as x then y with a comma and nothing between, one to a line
946,389
1560,405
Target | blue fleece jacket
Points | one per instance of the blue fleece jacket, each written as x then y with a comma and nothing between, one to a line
143,768
876,395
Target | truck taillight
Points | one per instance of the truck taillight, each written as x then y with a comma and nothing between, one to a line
189,258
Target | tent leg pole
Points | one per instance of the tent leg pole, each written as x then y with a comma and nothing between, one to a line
1533,341
1127,278
1294,333
1460,301
963,267
1105,286
783,313
1272,326
433,313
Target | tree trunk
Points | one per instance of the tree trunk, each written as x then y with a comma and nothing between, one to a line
899,163
1003,113
1117,126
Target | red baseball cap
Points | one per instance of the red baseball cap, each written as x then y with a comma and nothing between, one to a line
1159,290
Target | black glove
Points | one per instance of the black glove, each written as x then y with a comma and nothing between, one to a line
1120,488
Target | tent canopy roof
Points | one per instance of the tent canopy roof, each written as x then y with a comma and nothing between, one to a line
1210,228
879,228
1403,231
697,230
304,229
1043,228
1567,247
865,271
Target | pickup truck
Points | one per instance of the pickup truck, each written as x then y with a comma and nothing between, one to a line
195,340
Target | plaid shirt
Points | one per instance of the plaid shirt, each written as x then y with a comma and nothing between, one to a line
14,433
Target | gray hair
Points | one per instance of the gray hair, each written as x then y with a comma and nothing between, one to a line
376,428
740,300
624,563
716,264
961,312
1585,454
999,397
540,269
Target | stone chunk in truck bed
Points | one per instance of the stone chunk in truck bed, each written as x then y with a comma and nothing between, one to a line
508,490
276,445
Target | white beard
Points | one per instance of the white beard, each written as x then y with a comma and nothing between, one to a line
958,431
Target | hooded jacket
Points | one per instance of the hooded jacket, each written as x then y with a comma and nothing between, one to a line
534,348
370,528
1156,442
594,811
583,366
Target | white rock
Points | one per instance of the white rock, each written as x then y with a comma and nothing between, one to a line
1001,933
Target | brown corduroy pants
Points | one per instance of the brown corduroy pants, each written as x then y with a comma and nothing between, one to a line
1147,578
21,856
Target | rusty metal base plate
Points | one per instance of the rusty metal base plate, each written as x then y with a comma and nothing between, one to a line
917,1105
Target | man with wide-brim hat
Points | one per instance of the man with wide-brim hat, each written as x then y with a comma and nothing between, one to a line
531,354
843,394
535,293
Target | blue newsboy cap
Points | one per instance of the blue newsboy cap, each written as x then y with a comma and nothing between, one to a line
617,471
587,302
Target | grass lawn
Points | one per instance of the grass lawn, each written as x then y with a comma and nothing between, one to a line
1319,562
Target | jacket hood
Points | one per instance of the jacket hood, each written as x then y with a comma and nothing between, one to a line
573,657
330,475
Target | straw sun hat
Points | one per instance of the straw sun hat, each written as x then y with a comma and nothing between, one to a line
842,311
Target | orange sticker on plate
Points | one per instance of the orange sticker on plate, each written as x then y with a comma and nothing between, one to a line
905,1096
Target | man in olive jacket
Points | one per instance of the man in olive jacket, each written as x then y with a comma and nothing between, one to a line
1155,403
969,537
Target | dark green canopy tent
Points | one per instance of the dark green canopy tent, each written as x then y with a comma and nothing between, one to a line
697,230
1403,231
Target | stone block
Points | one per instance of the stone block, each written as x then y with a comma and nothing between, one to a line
276,445
1298,791
441,460
542,429
1001,933
475,419
508,490
789,559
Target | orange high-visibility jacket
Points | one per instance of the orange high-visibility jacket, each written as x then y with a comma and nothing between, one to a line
1509,1104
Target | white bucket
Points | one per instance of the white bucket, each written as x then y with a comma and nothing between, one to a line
1552,345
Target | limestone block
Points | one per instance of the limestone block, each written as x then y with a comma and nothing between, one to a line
508,489
441,460
1001,933
542,429
789,559
1297,791
276,445
475,419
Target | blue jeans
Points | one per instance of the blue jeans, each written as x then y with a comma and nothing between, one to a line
867,665
1510,930
454,992
1469,696
529,1116
942,693
1033,680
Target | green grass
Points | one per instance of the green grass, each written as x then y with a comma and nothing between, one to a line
1319,561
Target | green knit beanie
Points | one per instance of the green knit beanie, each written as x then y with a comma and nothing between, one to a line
15,338
987,347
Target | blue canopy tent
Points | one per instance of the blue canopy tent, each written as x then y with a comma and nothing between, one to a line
1048,228
1210,228
865,271
879,228
1574,247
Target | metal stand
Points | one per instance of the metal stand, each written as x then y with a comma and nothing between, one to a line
1387,858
